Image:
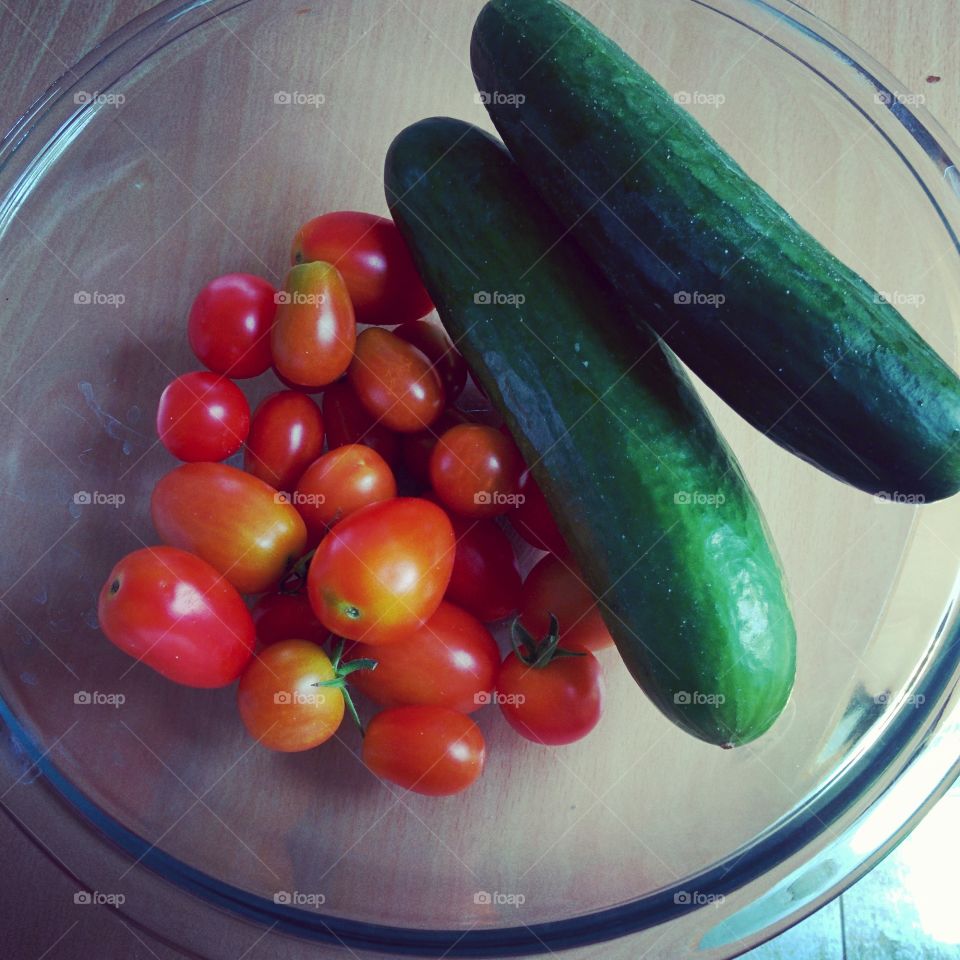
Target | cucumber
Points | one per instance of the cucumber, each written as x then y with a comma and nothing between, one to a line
801,347
646,492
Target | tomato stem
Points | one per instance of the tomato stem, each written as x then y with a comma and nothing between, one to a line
538,653
341,672
295,579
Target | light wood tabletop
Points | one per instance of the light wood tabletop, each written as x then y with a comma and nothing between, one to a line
917,41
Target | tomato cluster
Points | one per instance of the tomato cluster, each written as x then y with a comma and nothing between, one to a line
368,531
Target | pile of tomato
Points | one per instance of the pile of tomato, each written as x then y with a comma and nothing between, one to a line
367,531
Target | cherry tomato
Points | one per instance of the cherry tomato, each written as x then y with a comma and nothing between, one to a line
348,421
314,331
382,571
340,483
555,586
418,447
373,258
229,325
240,525
281,701
451,661
486,578
432,341
395,381
475,471
175,613
286,436
430,750
533,520
290,385
203,416
286,616
556,703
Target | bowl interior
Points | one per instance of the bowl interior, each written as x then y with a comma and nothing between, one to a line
204,159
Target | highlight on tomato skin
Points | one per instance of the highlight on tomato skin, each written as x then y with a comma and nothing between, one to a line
381,572
374,261
429,750
175,613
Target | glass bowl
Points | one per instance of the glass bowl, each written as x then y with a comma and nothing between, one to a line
194,142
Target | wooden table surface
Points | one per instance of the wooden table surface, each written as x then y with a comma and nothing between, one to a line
918,42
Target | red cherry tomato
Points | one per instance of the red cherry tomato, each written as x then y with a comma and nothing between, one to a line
348,421
395,381
555,586
314,331
240,525
175,613
451,661
286,436
486,578
229,325
374,261
340,483
533,520
432,341
553,704
429,750
281,702
286,616
418,447
382,572
475,471
203,416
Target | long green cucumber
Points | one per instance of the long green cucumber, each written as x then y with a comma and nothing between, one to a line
800,346
650,498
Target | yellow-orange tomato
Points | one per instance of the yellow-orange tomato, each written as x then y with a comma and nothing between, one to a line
240,525
314,330
281,701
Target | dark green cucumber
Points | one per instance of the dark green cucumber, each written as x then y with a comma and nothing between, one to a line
802,347
648,495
